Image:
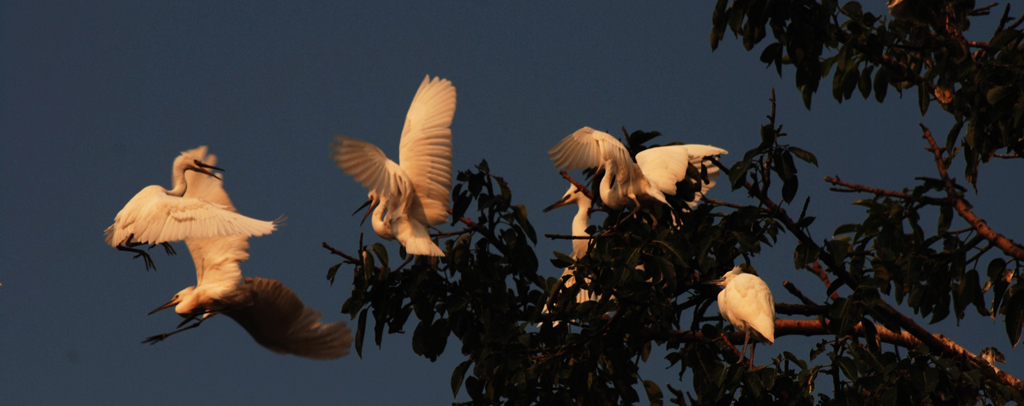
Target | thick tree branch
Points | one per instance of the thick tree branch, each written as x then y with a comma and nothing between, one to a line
939,344
1005,244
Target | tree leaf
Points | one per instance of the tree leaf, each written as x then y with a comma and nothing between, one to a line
332,271
360,333
804,155
458,376
654,394
1015,315
881,84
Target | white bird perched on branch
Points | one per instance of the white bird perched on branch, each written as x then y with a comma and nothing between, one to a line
580,222
653,175
409,196
158,216
272,314
747,303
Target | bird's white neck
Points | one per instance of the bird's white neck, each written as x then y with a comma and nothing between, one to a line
178,183
579,228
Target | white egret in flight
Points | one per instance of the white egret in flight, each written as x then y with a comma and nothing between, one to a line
747,303
653,175
409,196
272,314
157,215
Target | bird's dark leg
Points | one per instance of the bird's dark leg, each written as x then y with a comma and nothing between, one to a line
138,253
160,337
167,248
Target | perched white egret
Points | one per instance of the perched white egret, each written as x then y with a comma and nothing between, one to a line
747,303
157,215
272,314
579,229
409,196
653,175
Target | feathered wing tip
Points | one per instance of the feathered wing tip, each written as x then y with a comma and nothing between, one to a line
366,163
586,148
422,246
279,321
425,149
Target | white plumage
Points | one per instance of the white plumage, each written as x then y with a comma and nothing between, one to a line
653,175
409,196
156,215
580,222
269,311
747,304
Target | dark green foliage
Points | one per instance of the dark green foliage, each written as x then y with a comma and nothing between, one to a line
914,248
978,83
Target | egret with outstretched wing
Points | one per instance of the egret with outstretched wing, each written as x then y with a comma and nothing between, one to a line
272,314
157,215
409,196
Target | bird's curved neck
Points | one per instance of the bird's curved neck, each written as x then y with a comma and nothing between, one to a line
380,225
579,228
178,183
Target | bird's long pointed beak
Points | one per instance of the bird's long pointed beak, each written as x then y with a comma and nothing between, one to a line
560,203
204,168
172,303
372,205
366,203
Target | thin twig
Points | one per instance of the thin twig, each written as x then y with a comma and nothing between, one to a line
847,187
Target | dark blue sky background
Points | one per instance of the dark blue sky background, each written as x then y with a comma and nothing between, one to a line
98,99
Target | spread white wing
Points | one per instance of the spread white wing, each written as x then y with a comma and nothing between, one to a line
425,150
588,148
154,217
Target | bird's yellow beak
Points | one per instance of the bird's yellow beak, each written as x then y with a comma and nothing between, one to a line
172,303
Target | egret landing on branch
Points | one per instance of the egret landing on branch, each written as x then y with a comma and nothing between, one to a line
158,216
409,196
747,304
626,182
269,311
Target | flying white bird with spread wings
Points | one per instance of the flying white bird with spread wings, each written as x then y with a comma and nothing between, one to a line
158,216
747,304
626,182
272,314
409,196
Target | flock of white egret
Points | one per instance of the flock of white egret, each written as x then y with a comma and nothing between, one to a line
404,199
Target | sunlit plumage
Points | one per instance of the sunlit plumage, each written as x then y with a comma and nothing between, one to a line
580,222
269,311
157,215
747,304
409,196
626,182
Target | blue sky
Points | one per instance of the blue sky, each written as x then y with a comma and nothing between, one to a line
98,99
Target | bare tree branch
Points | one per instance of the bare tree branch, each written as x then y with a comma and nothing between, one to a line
1005,244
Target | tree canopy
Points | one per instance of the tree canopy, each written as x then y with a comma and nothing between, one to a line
648,272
